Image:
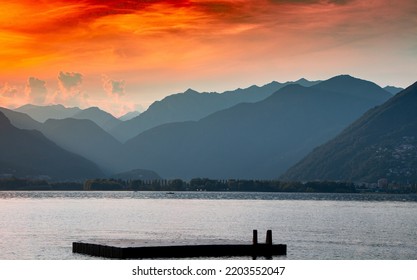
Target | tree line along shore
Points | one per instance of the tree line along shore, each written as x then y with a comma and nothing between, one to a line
203,184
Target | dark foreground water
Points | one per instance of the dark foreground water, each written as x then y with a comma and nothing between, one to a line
43,225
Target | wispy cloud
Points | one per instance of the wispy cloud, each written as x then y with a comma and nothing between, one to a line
201,41
308,2
115,100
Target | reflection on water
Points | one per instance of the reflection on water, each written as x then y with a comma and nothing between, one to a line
43,225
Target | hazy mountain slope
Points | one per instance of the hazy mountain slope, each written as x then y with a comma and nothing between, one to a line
20,120
129,116
381,144
193,106
393,90
29,153
258,140
85,138
101,118
42,113
59,112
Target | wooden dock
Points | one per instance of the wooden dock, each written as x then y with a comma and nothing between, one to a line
145,249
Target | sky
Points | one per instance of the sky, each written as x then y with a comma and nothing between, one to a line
124,55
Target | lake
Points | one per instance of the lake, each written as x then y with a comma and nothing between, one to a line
43,225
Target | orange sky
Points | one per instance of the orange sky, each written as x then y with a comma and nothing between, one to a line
121,55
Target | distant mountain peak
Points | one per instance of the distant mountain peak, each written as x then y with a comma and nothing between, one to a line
343,77
393,90
354,86
93,108
273,83
190,91
346,76
305,83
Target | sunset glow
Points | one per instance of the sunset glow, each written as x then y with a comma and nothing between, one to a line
121,55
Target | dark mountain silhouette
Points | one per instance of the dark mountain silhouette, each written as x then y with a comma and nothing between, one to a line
365,90
254,140
42,113
20,120
381,144
393,90
84,137
101,118
26,153
193,106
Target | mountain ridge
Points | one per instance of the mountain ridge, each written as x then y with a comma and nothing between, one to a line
84,137
42,113
28,153
192,105
251,140
380,144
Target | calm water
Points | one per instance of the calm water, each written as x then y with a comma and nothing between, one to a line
43,225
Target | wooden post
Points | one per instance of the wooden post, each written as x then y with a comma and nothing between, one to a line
269,237
255,237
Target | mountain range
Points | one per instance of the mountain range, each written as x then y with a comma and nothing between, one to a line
59,112
252,133
20,120
382,144
29,153
84,137
42,113
80,136
193,106
254,140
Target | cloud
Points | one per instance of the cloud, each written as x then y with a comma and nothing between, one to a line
337,2
36,90
8,91
12,96
200,41
114,102
70,80
113,88
69,88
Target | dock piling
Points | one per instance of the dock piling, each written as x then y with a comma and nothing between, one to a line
269,237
